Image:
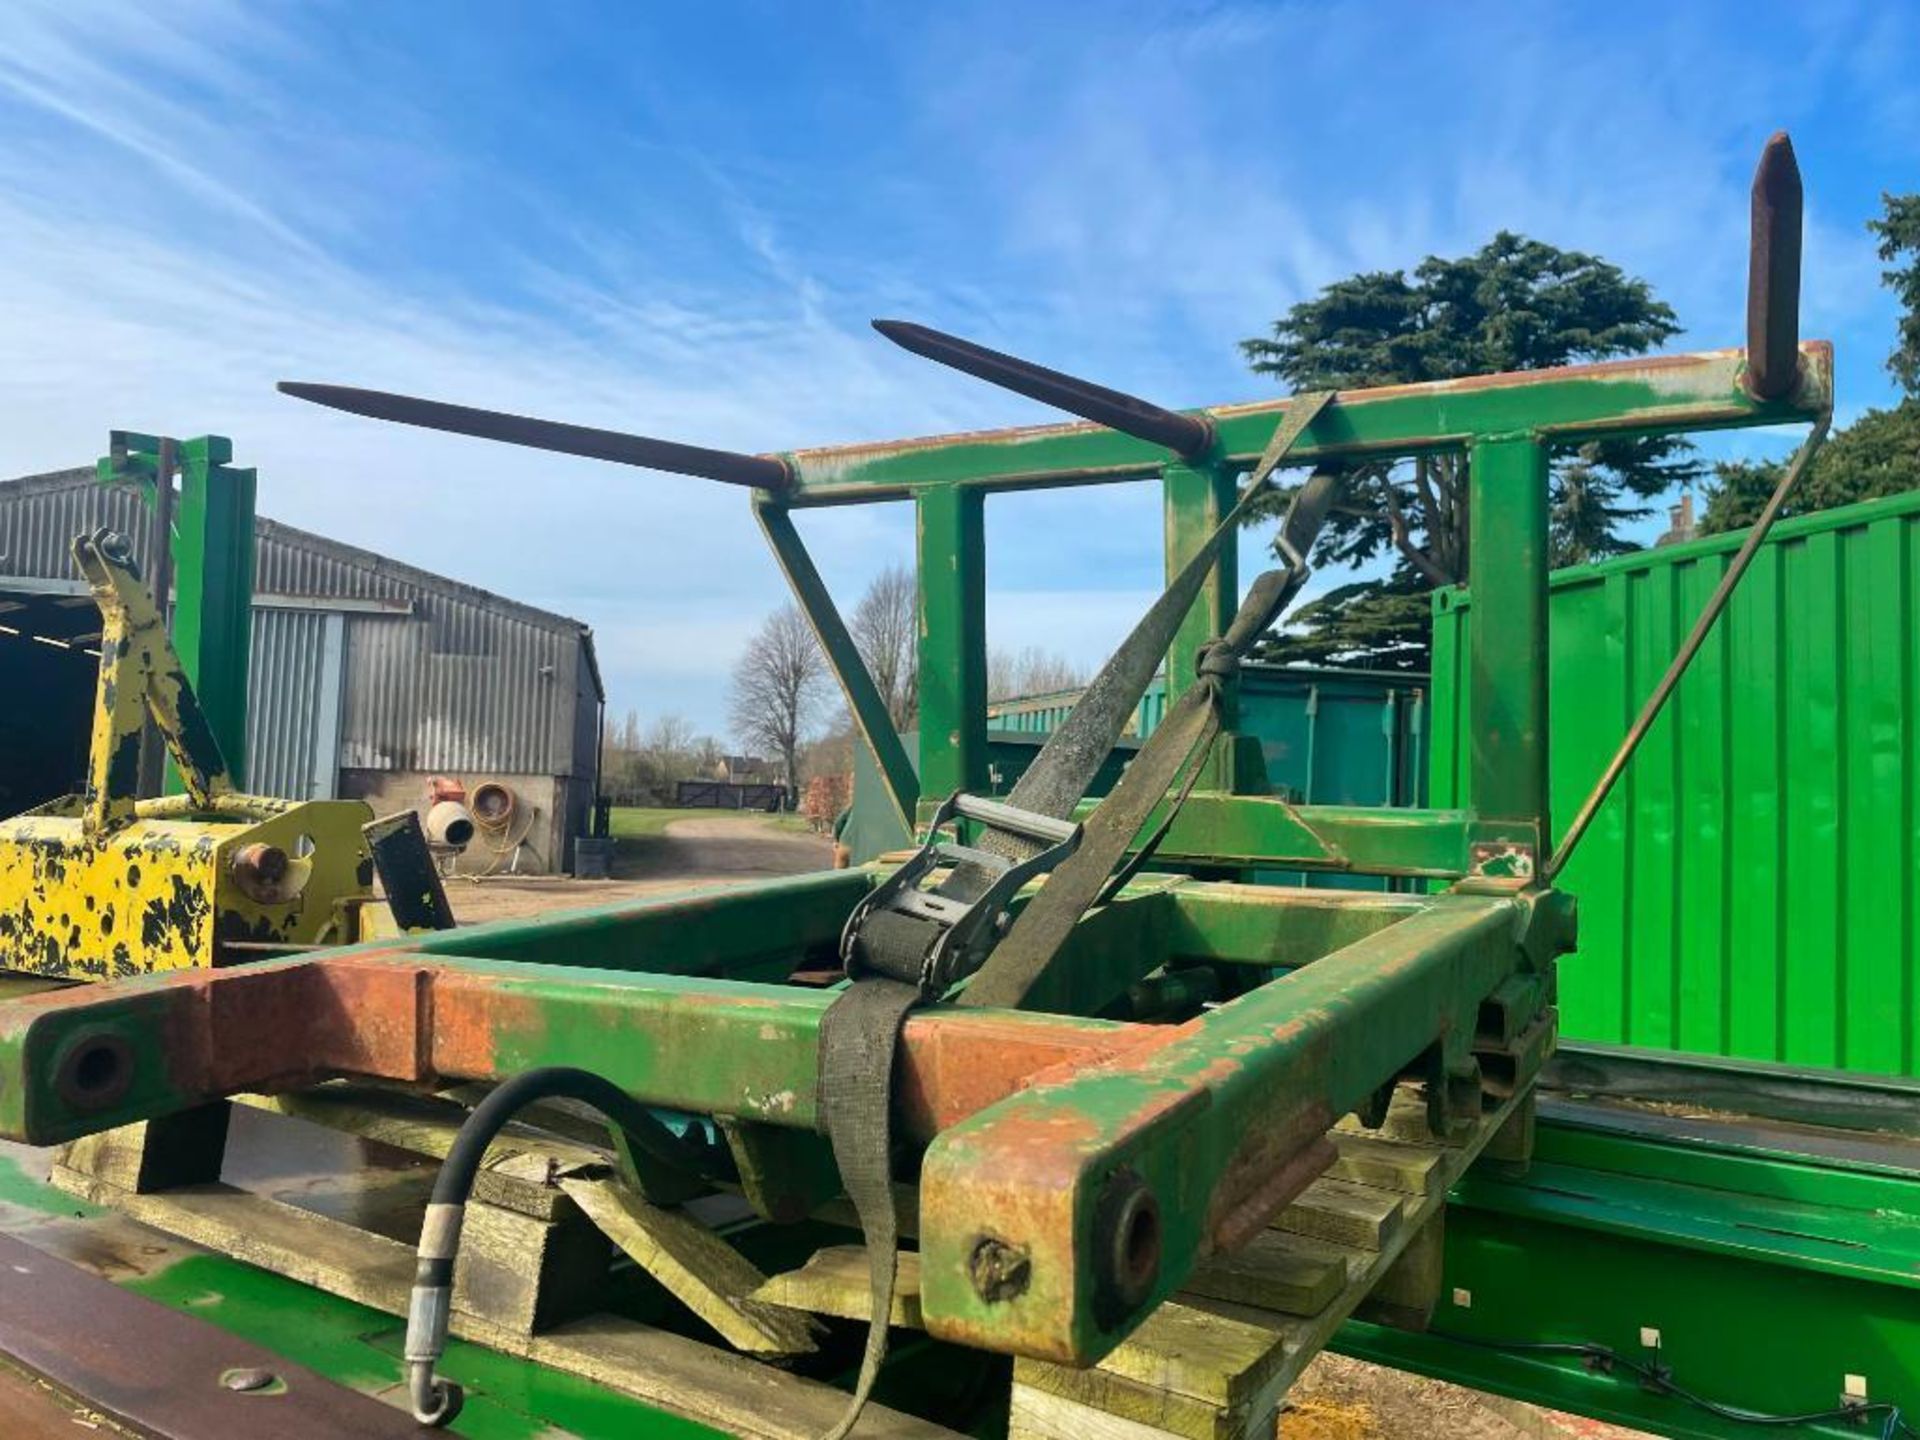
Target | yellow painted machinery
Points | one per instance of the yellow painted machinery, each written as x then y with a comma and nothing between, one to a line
103,885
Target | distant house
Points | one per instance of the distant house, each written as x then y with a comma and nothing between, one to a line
1681,525
744,770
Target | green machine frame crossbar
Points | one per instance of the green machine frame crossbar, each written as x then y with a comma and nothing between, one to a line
1507,424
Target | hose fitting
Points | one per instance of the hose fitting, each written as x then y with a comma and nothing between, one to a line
436,1401
429,1310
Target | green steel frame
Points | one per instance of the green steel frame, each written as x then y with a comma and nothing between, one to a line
1025,1118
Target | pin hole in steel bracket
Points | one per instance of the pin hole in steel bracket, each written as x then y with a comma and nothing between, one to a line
1127,1246
94,1071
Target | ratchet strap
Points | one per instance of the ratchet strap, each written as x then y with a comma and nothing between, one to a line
906,945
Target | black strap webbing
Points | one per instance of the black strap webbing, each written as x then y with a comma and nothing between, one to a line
859,1037
1043,927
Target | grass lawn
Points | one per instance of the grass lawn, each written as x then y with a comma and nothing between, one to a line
636,822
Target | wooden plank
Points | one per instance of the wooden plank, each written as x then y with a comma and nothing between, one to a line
836,1281
1291,1274
1037,1414
729,1392
523,1273
1158,1412
185,1148
514,1173
1405,1296
312,1249
1345,1213
1165,1410
1184,1371
1196,1353
1386,1164
699,1268
1406,1122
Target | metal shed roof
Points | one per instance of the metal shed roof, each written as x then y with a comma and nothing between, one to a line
439,674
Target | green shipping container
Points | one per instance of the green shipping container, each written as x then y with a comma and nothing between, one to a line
1330,737
1750,887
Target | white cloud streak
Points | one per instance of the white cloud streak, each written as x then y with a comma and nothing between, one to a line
182,224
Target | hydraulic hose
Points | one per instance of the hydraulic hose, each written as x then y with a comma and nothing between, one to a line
436,1401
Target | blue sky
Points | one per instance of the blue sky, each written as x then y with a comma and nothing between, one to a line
679,219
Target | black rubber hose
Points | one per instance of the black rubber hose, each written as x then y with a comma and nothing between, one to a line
436,1401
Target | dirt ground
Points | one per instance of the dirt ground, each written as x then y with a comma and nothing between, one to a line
1337,1398
1342,1399
703,850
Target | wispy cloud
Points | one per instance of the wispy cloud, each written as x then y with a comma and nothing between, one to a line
595,217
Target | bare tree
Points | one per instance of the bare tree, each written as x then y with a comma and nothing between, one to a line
1030,671
885,629
671,735
778,685
666,751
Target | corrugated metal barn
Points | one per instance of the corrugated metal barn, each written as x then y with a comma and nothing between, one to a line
368,676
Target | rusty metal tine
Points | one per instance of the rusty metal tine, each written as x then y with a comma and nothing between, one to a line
1185,435
1773,273
762,472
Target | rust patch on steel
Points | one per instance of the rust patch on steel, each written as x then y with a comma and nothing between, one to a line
469,1014
828,462
1246,1202
951,1070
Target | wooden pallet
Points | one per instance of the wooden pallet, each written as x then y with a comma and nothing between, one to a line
535,1251
1215,1362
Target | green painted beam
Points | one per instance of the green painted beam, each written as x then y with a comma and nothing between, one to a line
864,702
1508,498
757,932
1219,831
951,547
1201,1124
1236,925
213,586
1196,500
1246,830
1659,395
1162,920
705,1046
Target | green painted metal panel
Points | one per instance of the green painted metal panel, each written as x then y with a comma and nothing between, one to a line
1610,1233
1750,887
1330,737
